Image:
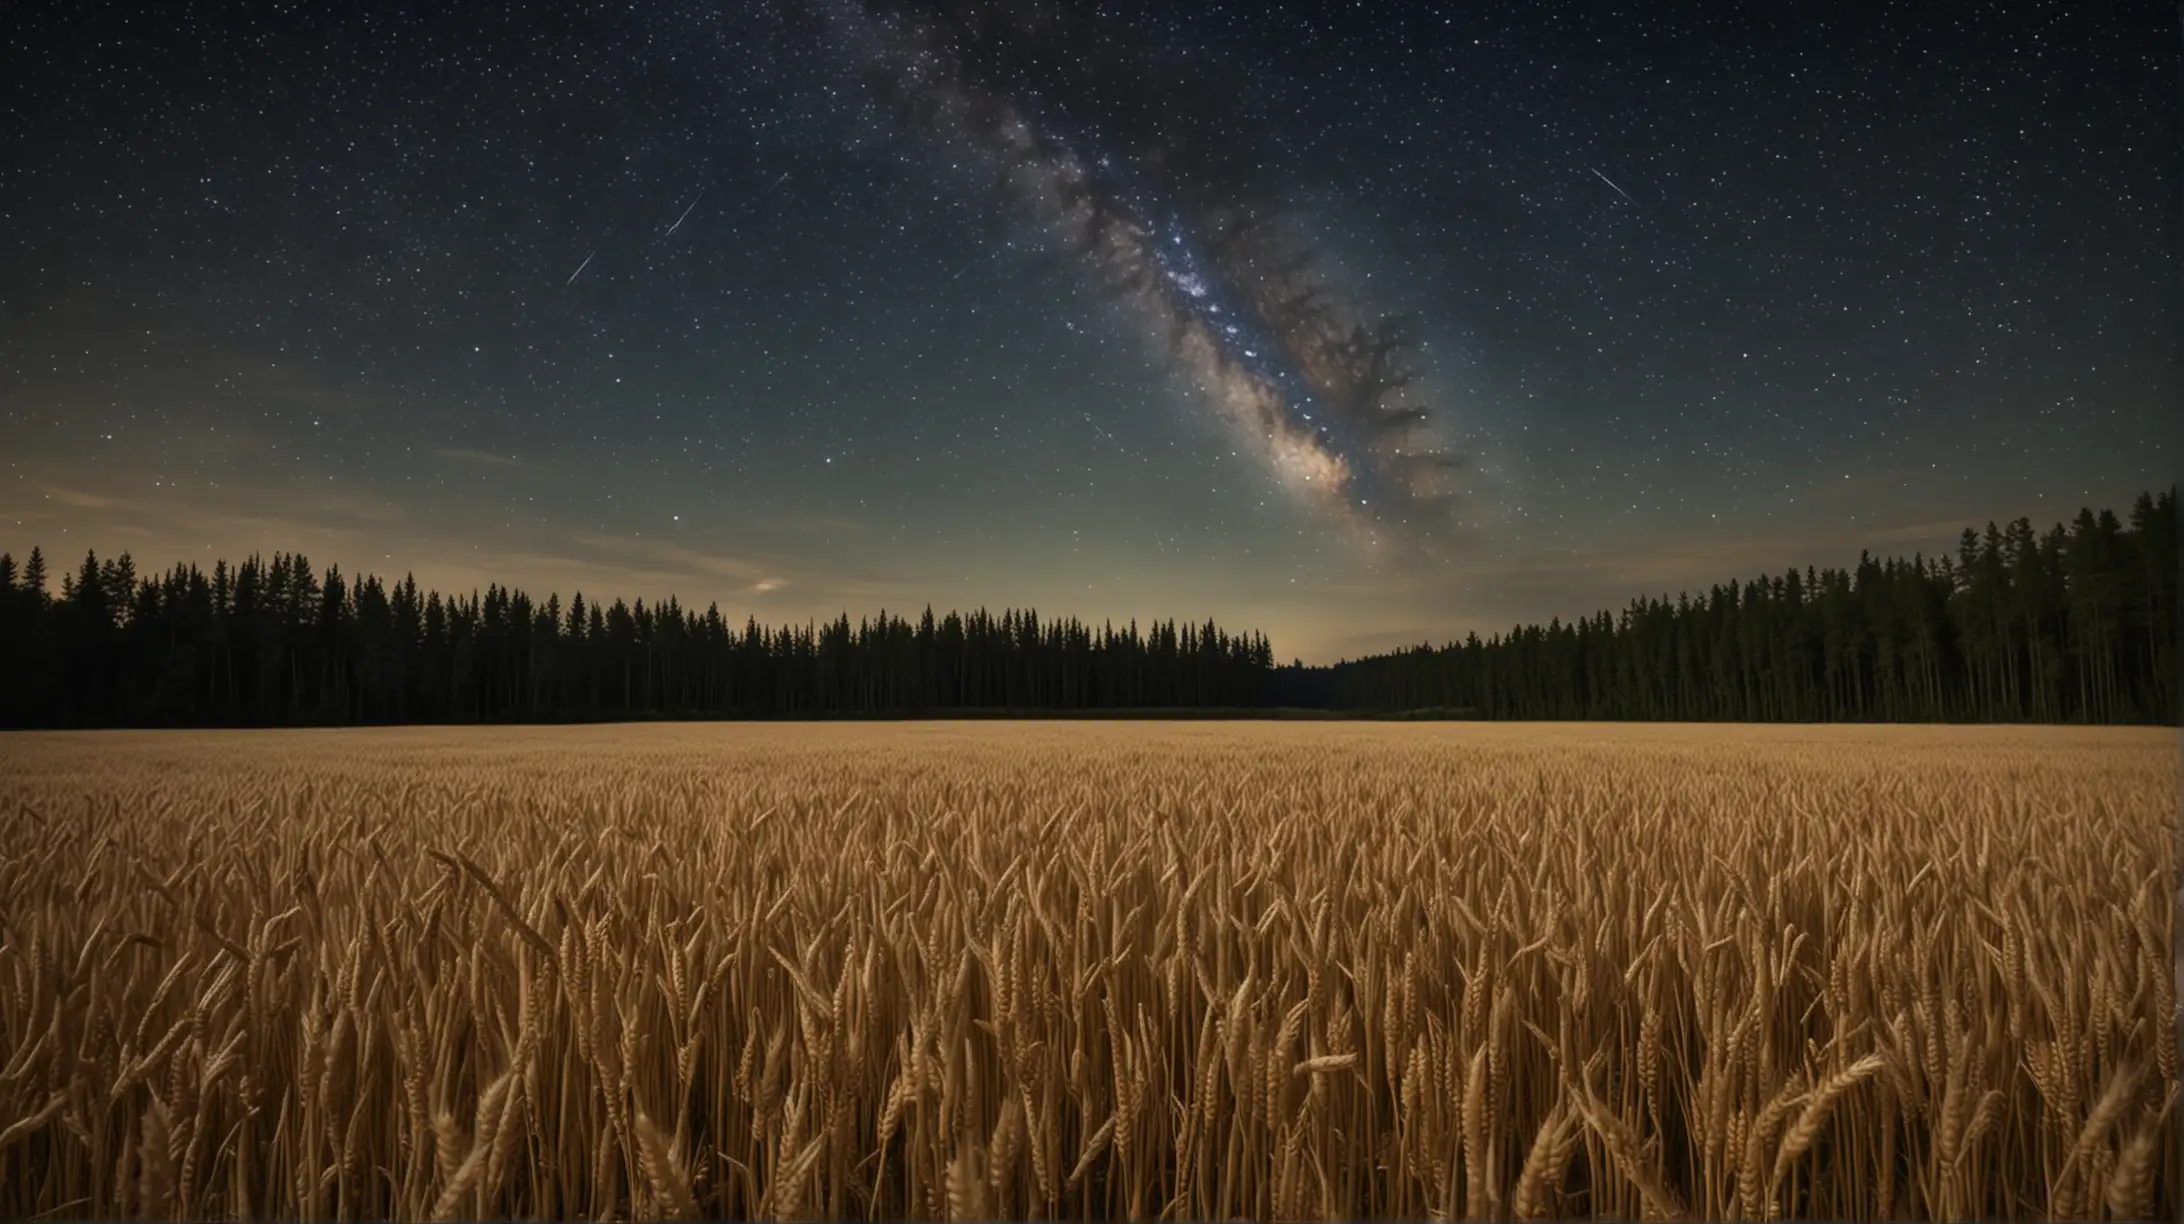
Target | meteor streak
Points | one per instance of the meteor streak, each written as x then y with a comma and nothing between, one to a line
1611,182
685,214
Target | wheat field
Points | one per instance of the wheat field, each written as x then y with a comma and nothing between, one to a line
1090,969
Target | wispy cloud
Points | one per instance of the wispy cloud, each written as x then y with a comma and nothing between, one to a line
110,507
600,560
80,500
459,454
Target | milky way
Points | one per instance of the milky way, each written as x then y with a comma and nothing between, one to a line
1176,221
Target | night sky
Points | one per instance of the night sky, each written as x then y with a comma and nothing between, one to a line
1359,325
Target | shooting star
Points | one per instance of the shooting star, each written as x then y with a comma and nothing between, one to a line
1611,182
770,187
579,270
974,263
685,214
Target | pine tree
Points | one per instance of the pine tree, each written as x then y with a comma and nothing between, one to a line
34,577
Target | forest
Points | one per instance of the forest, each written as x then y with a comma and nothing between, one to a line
2074,624
2078,623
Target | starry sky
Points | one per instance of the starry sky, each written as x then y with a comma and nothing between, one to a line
1358,324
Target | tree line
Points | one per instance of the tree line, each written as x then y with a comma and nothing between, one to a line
273,641
2076,624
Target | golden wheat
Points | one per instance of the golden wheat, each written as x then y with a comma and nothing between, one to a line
1076,970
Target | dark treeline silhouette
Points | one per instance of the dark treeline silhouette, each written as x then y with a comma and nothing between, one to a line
274,642
2077,624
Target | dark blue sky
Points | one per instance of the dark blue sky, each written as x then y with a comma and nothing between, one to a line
1695,290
